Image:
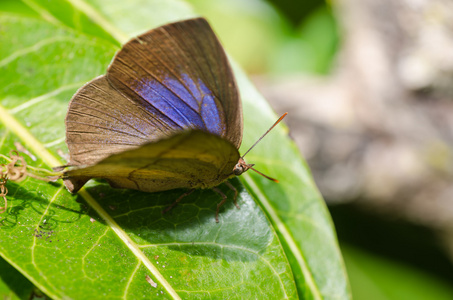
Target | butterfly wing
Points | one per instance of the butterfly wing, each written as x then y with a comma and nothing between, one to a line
164,82
189,159
101,122
169,79
181,73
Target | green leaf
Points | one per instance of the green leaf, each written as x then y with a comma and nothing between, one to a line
104,242
375,277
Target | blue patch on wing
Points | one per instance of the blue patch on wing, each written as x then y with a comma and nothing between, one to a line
210,112
189,105
188,92
169,104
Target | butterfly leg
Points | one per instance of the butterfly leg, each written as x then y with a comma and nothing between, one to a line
224,199
177,201
235,193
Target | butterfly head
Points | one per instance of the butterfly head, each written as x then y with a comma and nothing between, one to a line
241,167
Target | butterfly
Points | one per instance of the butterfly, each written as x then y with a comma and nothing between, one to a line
166,115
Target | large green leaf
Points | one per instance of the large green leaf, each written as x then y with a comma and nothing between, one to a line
104,242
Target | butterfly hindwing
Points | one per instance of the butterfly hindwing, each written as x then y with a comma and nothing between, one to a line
190,159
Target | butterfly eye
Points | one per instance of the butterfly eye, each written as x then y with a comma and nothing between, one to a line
238,169
241,167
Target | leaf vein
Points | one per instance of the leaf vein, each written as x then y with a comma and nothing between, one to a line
128,285
33,246
43,97
221,246
89,251
34,48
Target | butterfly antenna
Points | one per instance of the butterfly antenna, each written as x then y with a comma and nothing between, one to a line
250,166
275,124
264,175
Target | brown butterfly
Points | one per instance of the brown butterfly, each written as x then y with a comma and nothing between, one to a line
166,115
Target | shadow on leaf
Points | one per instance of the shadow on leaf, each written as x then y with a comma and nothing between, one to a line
190,226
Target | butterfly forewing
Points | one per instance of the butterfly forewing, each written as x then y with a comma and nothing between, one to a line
180,73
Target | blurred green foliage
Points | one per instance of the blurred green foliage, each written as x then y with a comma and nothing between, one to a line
263,40
18,7
374,277
296,11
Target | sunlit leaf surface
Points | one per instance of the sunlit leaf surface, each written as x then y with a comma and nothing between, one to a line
104,242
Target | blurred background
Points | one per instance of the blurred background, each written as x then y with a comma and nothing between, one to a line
369,88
